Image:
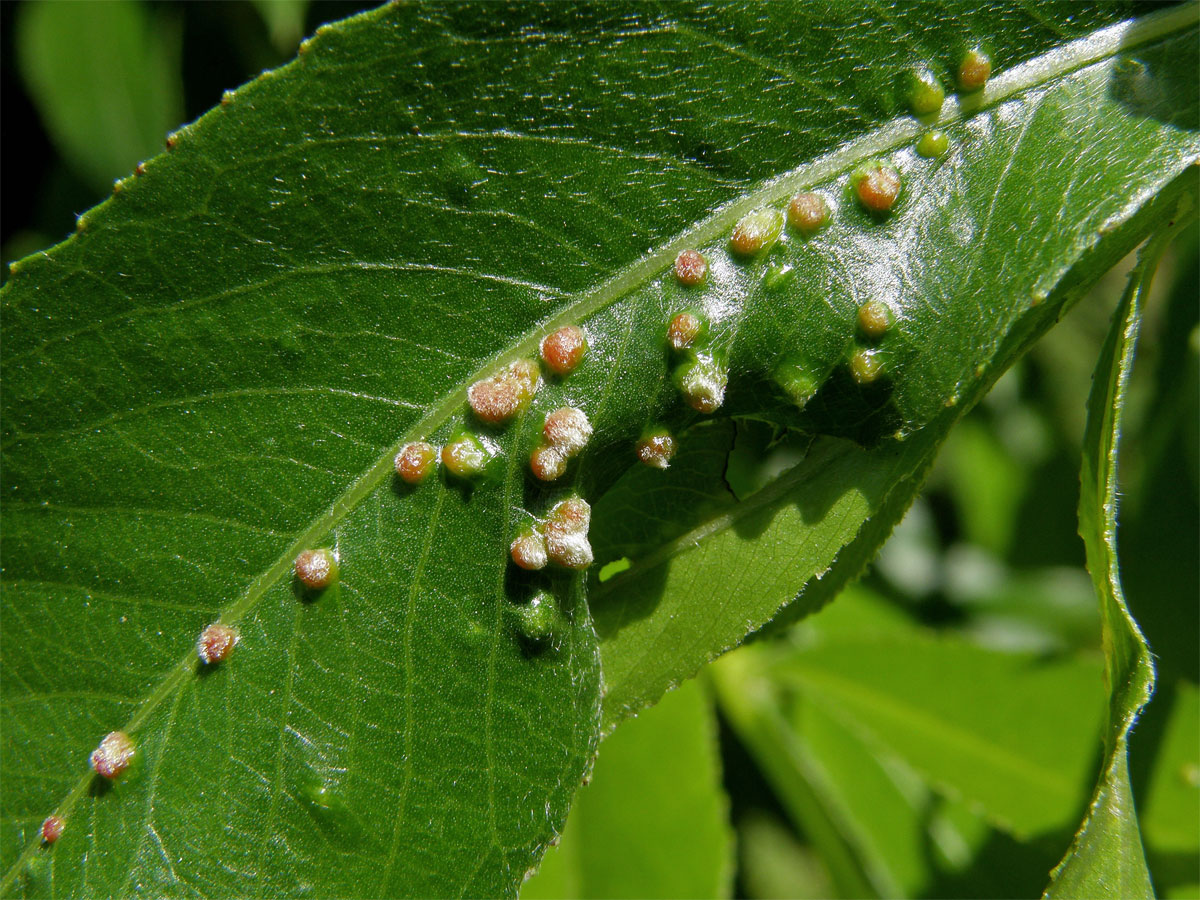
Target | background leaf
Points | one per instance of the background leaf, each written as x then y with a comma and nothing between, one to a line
653,820
914,763
215,373
1107,856
106,81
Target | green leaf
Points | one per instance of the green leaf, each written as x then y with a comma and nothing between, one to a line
215,373
105,78
652,822
1012,733
1171,811
1106,857
284,20
896,754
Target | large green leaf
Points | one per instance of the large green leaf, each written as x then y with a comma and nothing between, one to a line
215,373
653,820
902,757
1107,856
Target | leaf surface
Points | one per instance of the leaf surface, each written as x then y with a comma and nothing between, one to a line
1107,856
215,373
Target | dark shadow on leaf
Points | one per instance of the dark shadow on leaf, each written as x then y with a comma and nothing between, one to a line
1153,84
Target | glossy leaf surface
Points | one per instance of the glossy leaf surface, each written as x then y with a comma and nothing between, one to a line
216,372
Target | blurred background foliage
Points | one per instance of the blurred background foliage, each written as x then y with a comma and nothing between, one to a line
936,730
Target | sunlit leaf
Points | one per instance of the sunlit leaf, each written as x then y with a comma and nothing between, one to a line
216,372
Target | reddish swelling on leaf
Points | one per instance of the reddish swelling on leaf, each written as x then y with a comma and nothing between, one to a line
974,71
656,450
52,829
415,461
563,350
216,642
497,399
878,187
683,331
807,212
529,551
316,569
690,268
113,755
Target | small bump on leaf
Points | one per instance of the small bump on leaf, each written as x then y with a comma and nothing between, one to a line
974,70
52,829
807,212
216,642
563,350
497,399
933,144
113,755
866,365
316,569
656,449
683,331
691,268
925,93
416,461
548,463
756,232
877,186
538,620
702,383
566,532
529,551
465,457
568,430
874,319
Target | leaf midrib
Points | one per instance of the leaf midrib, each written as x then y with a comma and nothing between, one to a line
1035,72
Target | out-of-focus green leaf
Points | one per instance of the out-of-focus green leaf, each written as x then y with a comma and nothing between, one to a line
1010,732
1170,814
901,801
105,77
285,21
653,821
1106,858
773,865
217,370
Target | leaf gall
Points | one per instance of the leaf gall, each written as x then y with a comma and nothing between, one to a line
866,366
568,430
925,93
316,569
52,829
683,331
933,144
656,449
874,319
563,350
415,462
529,551
113,755
691,268
566,533
497,399
877,186
807,212
974,70
216,642
465,457
756,232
